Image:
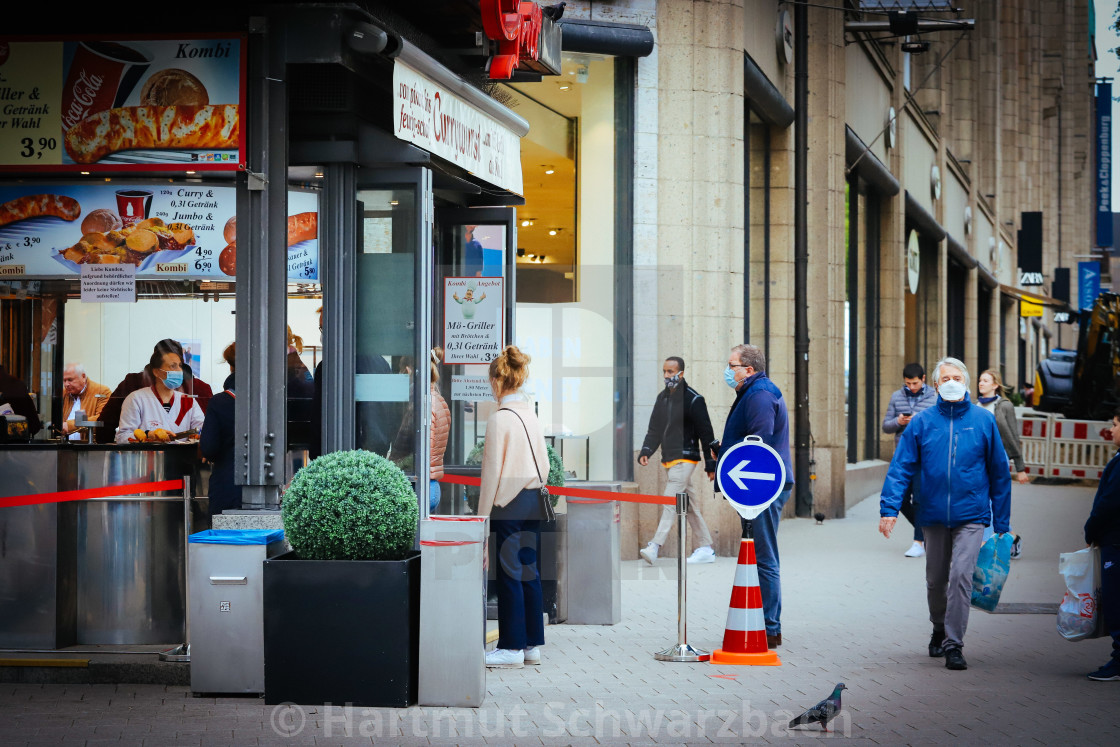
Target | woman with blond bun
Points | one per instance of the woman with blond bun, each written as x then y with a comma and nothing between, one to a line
514,467
990,388
403,444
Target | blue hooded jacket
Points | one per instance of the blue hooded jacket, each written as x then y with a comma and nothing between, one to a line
957,449
759,410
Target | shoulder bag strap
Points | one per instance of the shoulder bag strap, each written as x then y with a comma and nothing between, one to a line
531,450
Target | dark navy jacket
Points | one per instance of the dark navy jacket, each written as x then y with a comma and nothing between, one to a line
216,444
759,410
1103,526
964,471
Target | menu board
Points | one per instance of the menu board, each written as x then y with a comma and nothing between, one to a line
122,105
170,230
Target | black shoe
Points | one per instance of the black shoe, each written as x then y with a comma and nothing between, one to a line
935,641
773,640
954,659
1017,547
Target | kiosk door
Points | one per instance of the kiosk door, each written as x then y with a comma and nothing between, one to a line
392,328
475,253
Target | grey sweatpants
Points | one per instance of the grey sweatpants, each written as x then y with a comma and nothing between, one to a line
680,481
950,560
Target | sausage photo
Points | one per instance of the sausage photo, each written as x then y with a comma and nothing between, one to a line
156,127
38,206
301,227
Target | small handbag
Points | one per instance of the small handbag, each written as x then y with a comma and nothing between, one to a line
547,510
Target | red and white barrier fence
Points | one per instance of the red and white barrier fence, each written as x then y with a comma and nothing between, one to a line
1054,446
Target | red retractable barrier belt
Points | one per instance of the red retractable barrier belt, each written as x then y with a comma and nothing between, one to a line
81,495
600,495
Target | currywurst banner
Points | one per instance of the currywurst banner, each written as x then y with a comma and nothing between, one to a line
122,105
170,230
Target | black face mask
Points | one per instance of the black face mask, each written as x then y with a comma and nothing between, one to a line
672,382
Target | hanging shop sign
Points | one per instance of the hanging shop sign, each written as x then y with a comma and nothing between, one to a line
1028,309
170,230
1088,284
431,117
473,319
122,105
1104,164
526,37
913,261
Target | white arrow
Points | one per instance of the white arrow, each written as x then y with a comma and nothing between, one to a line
738,474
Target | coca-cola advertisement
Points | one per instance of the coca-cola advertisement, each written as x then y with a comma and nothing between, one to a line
122,104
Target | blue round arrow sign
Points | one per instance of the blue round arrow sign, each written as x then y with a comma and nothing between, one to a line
751,475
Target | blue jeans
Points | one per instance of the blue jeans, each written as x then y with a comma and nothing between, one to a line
433,496
769,566
517,530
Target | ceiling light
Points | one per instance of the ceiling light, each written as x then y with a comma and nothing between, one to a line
191,172
553,232
318,174
526,224
550,169
540,258
85,173
564,86
394,202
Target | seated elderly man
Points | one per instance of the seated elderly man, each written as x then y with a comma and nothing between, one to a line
79,392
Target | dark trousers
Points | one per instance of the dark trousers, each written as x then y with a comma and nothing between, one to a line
910,511
517,530
1110,594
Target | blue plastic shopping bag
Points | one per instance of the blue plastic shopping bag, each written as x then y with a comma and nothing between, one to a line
992,567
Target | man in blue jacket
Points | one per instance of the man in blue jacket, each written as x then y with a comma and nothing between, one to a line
759,410
965,487
1103,530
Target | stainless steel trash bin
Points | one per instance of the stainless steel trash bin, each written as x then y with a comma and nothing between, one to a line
452,611
594,560
227,612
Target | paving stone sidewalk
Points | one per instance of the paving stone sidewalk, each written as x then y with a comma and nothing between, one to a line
854,612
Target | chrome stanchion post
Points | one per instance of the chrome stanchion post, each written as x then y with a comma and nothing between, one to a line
682,651
182,652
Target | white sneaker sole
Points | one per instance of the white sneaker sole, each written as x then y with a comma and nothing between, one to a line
646,557
511,665
529,663
699,561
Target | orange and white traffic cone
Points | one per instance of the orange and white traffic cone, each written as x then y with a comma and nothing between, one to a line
744,639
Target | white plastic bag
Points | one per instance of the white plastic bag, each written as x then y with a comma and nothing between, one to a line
1079,616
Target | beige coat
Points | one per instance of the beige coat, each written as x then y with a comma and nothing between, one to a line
92,404
507,460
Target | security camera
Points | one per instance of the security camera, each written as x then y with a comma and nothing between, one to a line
914,45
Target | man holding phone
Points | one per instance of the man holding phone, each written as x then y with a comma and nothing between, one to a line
905,403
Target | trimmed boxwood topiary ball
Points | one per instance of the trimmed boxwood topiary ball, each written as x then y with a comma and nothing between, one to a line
350,505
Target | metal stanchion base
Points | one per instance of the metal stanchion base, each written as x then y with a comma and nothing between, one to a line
182,652
682,652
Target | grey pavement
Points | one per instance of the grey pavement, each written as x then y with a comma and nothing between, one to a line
854,612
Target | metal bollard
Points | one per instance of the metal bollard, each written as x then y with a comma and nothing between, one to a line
182,652
682,651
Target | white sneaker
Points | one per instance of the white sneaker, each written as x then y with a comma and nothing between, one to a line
533,655
649,552
702,555
916,550
505,658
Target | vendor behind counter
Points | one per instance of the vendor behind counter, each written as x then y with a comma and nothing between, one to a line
14,396
160,406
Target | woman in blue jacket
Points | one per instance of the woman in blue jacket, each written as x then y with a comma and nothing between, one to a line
966,486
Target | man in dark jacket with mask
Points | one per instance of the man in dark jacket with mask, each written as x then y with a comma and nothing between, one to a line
681,427
966,486
1103,530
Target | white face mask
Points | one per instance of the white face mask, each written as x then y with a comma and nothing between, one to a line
952,391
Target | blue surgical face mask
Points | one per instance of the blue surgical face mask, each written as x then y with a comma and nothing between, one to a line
729,377
952,391
174,379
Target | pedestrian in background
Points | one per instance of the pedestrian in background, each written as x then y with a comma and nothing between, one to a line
514,468
680,426
965,486
759,410
217,442
912,398
1103,530
990,388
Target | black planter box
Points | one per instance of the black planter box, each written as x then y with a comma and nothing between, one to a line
341,631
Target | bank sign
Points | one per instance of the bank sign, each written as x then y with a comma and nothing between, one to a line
433,118
122,104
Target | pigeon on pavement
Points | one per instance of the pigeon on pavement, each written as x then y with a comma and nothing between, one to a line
819,517
822,712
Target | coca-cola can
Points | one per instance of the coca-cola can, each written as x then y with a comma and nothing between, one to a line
133,205
102,74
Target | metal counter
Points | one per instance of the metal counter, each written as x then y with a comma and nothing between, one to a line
113,566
